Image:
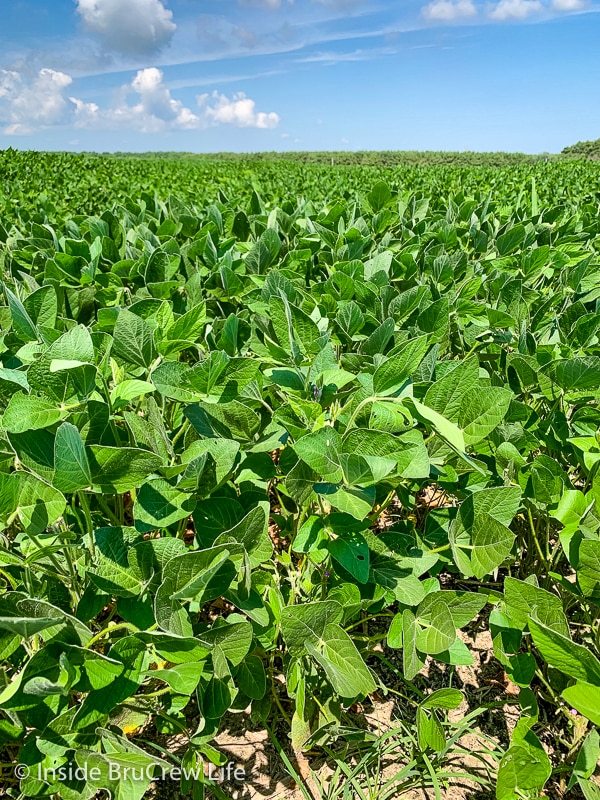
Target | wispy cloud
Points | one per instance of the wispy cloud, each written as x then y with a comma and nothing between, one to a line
135,27
332,58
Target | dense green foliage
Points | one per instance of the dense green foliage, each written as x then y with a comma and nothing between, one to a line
368,158
589,150
220,384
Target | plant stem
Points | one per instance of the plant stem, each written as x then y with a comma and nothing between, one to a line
120,626
89,523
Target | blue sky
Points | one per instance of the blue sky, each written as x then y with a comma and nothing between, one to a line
250,75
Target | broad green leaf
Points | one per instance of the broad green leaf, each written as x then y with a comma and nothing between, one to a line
523,600
26,413
343,664
446,429
522,769
356,501
22,322
201,575
71,466
443,698
320,451
393,373
575,374
252,532
40,505
446,395
233,640
437,627
585,698
251,677
429,731
129,390
482,410
134,340
120,469
561,652
352,552
306,623
159,505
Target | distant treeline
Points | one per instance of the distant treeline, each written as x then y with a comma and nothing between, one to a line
373,158
388,158
588,150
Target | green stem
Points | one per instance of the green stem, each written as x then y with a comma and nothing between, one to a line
158,693
441,549
106,508
9,579
535,538
282,711
180,432
50,555
368,619
120,626
88,522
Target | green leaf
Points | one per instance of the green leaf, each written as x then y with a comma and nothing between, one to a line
26,627
202,575
379,196
482,410
393,373
120,469
233,640
479,536
587,758
22,322
446,395
71,467
252,532
446,429
129,390
26,413
429,731
522,769
575,374
352,552
585,698
134,339
306,623
183,678
524,600
320,451
343,664
438,629
116,571
573,659
443,698
40,505
159,505
251,677
356,501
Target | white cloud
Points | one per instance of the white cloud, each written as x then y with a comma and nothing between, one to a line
130,27
516,9
28,104
241,111
34,103
155,109
568,5
448,10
